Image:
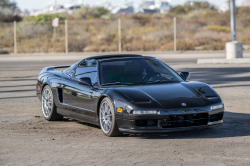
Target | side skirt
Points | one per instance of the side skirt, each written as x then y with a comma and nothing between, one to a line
66,113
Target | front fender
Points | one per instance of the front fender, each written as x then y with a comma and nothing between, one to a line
118,99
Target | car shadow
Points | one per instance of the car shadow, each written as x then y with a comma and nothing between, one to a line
89,124
65,119
235,125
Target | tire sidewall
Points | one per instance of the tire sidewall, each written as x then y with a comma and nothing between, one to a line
52,103
106,99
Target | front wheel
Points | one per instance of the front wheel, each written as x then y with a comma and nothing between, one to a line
48,105
107,119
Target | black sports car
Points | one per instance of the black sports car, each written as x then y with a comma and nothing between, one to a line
128,94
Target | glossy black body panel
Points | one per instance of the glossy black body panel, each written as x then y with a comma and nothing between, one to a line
82,102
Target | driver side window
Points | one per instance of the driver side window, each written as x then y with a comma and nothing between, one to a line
87,68
93,77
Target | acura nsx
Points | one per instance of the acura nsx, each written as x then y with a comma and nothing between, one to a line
128,94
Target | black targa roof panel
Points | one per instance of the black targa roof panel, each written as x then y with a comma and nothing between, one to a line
113,56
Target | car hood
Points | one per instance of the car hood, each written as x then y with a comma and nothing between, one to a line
170,95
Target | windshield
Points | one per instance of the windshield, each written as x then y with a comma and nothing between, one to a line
136,70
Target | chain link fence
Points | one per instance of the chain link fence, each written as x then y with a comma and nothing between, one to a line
137,34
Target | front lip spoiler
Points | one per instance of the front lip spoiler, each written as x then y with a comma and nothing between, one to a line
141,131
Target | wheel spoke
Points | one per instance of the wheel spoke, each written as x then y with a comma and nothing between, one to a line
107,129
103,111
109,124
46,94
104,107
46,111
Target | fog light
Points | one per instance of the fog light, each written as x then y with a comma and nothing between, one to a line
145,112
215,107
119,110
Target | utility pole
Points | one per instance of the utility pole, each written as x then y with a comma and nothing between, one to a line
234,49
119,35
233,20
66,36
54,33
15,46
175,46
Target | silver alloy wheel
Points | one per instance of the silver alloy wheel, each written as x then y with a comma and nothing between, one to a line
46,103
106,117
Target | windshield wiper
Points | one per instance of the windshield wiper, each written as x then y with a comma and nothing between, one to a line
117,83
159,81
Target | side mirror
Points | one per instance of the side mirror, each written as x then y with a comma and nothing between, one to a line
185,75
85,81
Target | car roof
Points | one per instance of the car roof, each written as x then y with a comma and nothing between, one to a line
113,56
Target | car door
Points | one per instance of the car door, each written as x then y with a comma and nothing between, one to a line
80,99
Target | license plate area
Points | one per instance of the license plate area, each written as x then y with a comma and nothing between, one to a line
172,121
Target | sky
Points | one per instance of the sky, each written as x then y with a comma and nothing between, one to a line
39,4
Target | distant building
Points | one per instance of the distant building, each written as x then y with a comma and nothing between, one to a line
155,6
124,9
224,7
53,7
105,4
192,2
245,3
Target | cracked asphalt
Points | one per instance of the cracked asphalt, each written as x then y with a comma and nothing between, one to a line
26,138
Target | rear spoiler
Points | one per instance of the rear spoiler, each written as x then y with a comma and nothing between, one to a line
51,68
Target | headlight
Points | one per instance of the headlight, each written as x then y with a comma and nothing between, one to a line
145,112
215,107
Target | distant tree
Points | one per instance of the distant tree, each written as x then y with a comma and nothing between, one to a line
44,18
8,11
191,6
199,5
91,12
7,5
99,11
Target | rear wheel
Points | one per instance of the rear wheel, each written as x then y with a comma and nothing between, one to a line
107,119
48,105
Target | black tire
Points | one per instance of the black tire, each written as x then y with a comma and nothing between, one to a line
114,131
52,115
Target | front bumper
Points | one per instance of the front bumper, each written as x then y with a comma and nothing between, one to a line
141,130
164,124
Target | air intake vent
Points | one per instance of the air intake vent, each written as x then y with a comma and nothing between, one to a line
60,95
216,117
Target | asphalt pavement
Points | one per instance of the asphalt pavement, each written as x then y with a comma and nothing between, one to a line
26,138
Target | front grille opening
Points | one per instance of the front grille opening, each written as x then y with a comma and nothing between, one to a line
216,117
172,121
146,122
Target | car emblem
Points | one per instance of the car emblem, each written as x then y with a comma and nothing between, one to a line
184,104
